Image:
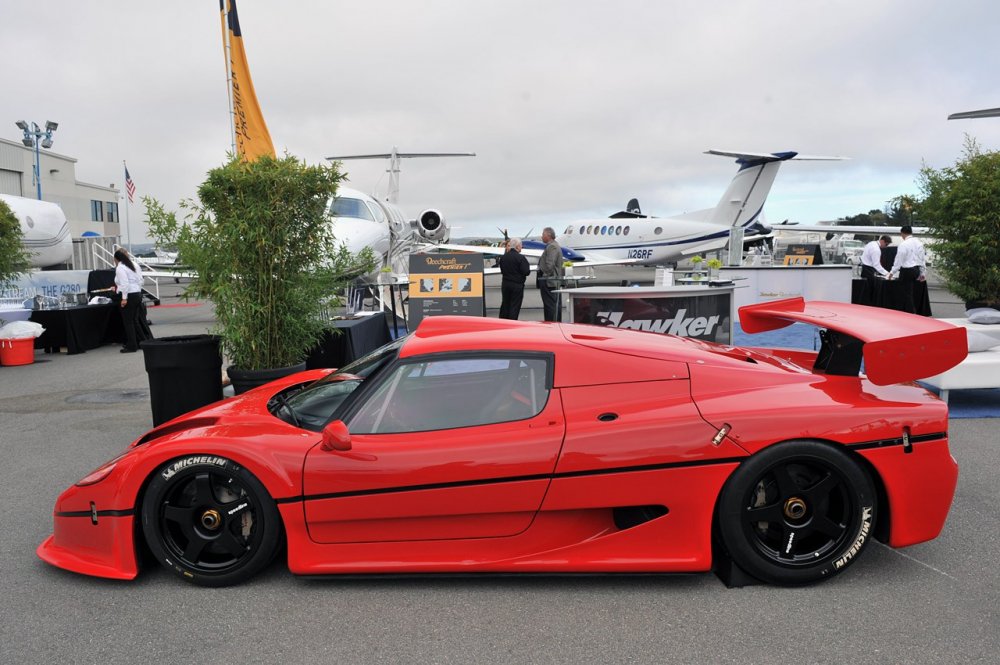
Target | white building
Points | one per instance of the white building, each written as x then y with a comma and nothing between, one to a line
87,207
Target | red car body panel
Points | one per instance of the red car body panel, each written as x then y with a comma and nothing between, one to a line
920,486
632,419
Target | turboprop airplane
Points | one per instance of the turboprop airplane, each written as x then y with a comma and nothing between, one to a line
44,230
631,237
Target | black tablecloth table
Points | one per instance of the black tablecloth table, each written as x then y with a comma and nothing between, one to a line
351,339
888,293
77,328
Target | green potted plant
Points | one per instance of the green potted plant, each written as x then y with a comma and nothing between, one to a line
696,261
960,206
713,268
262,249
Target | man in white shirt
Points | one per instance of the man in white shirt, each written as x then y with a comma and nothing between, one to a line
871,259
909,267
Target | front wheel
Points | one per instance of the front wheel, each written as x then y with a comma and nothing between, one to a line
797,513
210,521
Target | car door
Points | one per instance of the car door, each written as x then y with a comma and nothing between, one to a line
446,446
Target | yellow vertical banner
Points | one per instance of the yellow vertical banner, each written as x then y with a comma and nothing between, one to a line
249,129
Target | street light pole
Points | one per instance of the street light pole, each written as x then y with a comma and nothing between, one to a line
37,138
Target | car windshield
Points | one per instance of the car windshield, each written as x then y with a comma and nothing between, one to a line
315,406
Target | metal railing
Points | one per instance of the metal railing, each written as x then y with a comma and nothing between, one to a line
105,257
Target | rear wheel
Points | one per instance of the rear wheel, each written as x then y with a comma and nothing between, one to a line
210,520
797,513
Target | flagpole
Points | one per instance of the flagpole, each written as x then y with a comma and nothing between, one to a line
227,48
128,228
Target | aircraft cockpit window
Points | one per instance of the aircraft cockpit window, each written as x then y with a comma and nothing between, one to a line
377,211
344,207
658,230
569,230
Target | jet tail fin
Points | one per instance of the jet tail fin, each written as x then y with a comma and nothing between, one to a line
743,200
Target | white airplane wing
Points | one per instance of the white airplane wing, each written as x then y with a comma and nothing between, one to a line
528,253
739,154
828,228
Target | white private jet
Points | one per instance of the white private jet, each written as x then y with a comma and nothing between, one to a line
44,230
631,237
361,221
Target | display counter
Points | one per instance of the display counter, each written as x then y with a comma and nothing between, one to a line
700,312
765,283
349,340
77,328
888,293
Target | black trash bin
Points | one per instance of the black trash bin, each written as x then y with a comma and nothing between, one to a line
185,372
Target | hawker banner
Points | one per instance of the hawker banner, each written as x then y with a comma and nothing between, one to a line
445,284
705,317
249,129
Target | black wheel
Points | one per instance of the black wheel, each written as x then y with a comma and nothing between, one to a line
210,521
797,513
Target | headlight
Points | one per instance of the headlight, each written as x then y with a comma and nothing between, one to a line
101,472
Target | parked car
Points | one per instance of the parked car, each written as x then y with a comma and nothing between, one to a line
484,445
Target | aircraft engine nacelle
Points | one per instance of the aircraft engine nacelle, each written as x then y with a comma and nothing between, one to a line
432,226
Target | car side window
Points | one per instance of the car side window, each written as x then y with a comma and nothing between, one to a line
446,393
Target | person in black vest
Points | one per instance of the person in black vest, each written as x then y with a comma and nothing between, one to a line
910,266
515,269
871,260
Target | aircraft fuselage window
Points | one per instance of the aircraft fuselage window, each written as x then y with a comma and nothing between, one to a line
626,229
344,207
618,231
581,230
658,230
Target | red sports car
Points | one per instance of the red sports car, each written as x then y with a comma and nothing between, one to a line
481,445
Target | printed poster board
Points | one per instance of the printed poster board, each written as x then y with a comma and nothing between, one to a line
803,255
703,316
445,284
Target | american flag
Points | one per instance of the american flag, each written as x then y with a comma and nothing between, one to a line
129,186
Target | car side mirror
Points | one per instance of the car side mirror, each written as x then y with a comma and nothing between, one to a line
336,436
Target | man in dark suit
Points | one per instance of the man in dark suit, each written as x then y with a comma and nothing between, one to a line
515,269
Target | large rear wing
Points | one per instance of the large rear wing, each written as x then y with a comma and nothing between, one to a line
896,346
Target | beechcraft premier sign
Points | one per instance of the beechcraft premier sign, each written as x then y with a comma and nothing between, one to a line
445,284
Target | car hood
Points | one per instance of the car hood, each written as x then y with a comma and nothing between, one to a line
244,417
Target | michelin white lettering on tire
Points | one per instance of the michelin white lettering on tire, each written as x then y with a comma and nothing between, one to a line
172,470
859,540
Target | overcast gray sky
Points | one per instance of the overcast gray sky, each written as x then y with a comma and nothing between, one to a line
572,106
